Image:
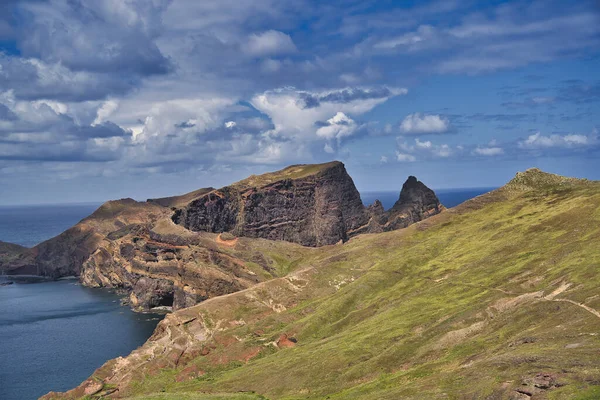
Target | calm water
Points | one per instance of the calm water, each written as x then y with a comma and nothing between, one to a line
448,197
54,335
30,225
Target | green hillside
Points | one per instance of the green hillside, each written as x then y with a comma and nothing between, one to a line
497,298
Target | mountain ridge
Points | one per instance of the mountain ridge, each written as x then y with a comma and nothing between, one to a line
495,298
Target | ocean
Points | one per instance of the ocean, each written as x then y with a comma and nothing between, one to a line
448,197
53,335
30,225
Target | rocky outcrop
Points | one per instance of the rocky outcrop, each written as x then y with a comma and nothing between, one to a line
309,205
16,258
416,203
166,252
164,265
314,208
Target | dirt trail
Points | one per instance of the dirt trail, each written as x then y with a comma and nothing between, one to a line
587,308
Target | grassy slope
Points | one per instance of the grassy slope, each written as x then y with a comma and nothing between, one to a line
464,305
181,200
292,172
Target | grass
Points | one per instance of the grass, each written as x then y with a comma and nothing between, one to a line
291,172
454,307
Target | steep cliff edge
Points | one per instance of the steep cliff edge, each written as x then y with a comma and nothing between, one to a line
312,205
169,251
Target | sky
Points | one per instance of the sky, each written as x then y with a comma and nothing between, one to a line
105,99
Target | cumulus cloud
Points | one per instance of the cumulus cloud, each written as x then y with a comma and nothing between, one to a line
105,111
337,127
42,131
301,114
420,124
269,43
95,36
33,79
425,149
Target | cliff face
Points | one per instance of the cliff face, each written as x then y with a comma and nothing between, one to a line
166,252
313,210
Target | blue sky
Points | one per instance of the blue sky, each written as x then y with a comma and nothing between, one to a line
103,99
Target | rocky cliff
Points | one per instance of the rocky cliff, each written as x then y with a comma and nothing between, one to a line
310,205
170,251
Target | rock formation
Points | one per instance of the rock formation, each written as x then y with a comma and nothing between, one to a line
416,203
169,252
312,207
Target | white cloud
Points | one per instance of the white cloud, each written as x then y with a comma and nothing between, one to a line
383,160
230,124
417,124
328,149
105,111
427,149
539,141
403,157
296,114
423,145
488,151
269,43
339,126
442,151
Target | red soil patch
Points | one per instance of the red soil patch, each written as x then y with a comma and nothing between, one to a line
228,243
285,341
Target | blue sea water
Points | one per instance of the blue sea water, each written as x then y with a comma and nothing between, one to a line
448,197
54,335
30,225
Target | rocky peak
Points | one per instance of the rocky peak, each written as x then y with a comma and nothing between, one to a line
376,207
416,202
415,192
534,178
